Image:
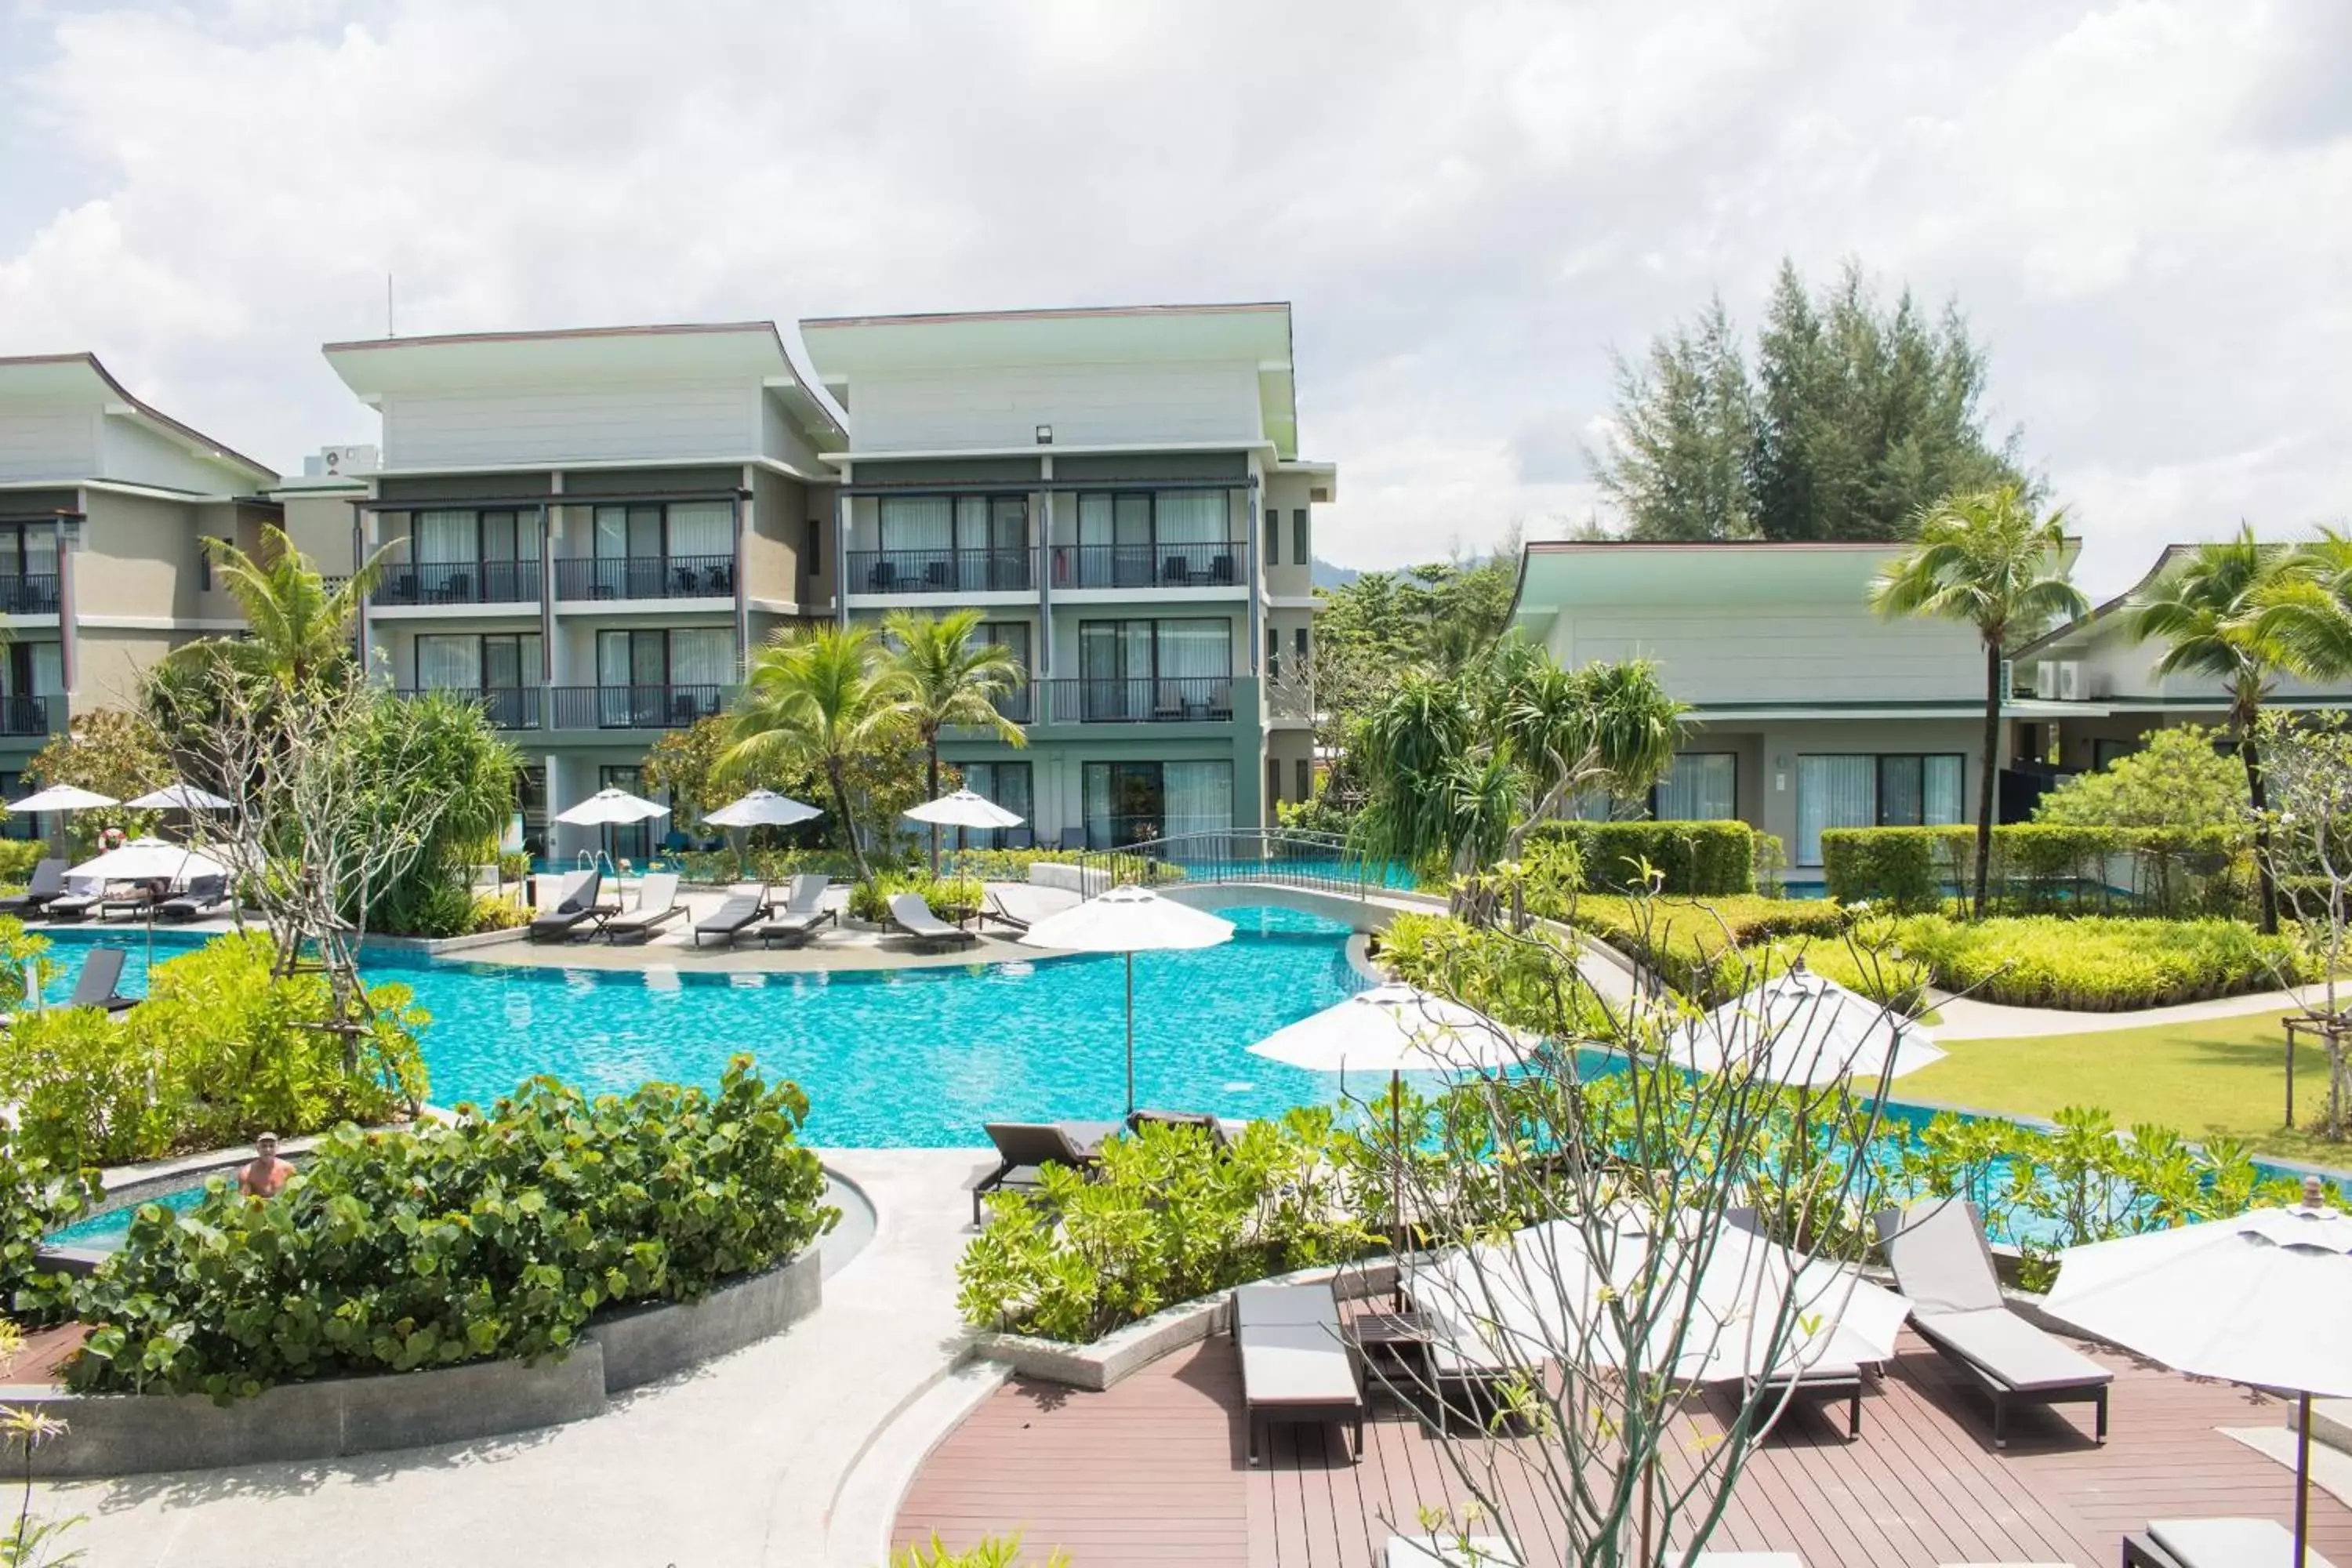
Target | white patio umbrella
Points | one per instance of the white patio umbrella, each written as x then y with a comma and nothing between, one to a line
1396,1029
1130,920
148,859
608,806
960,808
760,808
180,797
1800,1027
62,797
2261,1298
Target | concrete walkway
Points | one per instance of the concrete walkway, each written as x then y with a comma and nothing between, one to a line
1964,1018
739,1461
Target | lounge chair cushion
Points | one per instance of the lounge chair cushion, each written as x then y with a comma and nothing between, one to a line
1940,1259
2012,1350
1449,1551
1286,1306
1297,1364
2229,1542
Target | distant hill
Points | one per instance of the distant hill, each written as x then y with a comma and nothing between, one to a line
1323,575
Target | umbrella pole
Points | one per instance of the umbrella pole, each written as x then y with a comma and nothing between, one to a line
1130,1035
1396,1213
2301,1478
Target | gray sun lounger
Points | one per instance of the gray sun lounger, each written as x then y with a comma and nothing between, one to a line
143,896
1296,1368
995,909
2215,1544
732,919
577,904
914,917
1024,1149
803,911
658,905
49,882
73,906
204,894
102,971
1941,1262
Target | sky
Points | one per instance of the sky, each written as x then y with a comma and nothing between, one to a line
2144,209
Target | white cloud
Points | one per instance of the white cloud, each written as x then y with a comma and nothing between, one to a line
2142,206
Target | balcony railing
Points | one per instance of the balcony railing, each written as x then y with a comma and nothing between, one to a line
459,583
645,577
636,707
44,715
509,707
29,594
1208,563
1141,700
1009,569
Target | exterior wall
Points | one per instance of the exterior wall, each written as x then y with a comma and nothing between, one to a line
1768,754
39,440
109,664
1794,653
1284,751
139,555
774,545
1285,496
135,455
319,525
483,427
1088,405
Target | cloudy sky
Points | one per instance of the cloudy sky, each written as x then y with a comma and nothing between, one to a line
2146,209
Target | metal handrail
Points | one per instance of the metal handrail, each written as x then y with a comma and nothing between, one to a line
458,582
29,593
1137,700
644,576
636,707
1191,564
1285,857
986,569
509,707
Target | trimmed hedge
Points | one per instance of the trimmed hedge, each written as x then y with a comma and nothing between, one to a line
2102,965
2036,867
1712,950
1695,858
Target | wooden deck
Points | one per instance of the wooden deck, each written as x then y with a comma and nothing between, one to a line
1154,1472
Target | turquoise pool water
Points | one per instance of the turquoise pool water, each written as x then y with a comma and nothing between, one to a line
917,1059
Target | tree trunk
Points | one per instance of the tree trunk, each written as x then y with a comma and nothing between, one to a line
2251,755
1990,770
835,775
933,781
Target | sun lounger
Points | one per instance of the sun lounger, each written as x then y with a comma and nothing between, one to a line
1449,1551
658,905
2215,1544
731,919
49,882
1296,1369
1218,1137
1024,1149
204,894
131,899
102,971
802,912
995,909
932,935
1941,1262
576,905
73,906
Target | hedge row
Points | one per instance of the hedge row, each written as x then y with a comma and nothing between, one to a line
2094,966
2041,865
1695,859
1712,950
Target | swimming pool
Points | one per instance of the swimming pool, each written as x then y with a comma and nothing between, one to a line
911,1058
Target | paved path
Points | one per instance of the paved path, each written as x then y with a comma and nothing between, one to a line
735,1463
1965,1018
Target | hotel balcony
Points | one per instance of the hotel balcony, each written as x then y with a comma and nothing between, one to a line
1207,563
1141,700
29,594
33,716
439,582
608,577
636,707
1008,570
507,707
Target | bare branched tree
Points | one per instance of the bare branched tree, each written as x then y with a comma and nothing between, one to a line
2308,852
1623,1261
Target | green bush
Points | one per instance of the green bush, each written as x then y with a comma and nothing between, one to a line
495,1235
2041,867
952,898
1902,867
1168,1217
1695,858
36,1198
221,1049
2101,965
1526,982
17,859
491,911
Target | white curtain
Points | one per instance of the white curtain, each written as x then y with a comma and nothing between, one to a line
1193,517
701,528
1094,520
917,523
702,656
1833,792
49,668
1943,792
971,522
612,533
1198,797
449,663
1699,788
444,536
1193,649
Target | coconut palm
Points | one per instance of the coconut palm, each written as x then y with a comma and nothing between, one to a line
299,630
2307,613
952,681
817,697
2216,611
1986,558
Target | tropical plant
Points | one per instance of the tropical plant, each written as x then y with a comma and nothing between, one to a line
2310,848
438,759
299,631
951,679
112,751
2184,778
2214,610
824,696
1990,559
30,1542
36,1196
2308,616
988,1551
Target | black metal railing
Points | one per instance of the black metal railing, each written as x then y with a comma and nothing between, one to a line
1018,705
29,594
1138,700
636,707
507,707
38,715
1126,849
1210,564
645,577
458,582
1009,569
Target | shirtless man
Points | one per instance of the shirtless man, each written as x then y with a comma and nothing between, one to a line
266,1176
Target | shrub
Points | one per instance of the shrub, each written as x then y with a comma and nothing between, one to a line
498,1235
1168,1217
988,1551
493,913
2041,867
17,859
949,898
1694,857
1526,982
2101,965
221,1049
36,1198
1903,868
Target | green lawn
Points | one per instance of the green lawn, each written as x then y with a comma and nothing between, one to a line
2224,1077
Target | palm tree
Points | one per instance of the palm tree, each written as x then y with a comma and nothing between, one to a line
301,630
1985,558
2308,614
2218,610
817,696
952,682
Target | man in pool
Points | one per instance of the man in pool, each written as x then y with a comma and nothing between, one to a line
266,1176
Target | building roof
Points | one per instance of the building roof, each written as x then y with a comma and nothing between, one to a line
1557,574
80,378
2099,616
1257,332
374,367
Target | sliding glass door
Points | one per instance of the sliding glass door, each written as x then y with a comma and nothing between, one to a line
1899,790
1701,786
1006,784
1134,802
1170,670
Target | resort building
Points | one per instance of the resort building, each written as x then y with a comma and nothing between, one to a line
1120,491
587,530
104,503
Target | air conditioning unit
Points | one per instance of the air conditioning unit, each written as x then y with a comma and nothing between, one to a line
2073,687
339,462
2045,681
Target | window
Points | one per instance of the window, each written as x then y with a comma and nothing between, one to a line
204,564
1015,704
1131,803
473,557
1304,769
1299,645
1863,791
658,680
28,568
2104,752
941,543
1154,668
1273,654
1139,539
1273,537
1008,786
1273,786
663,550
1701,786
628,840
1302,549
